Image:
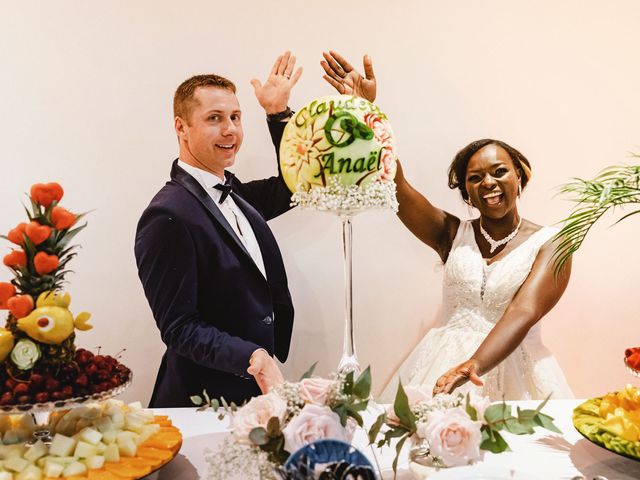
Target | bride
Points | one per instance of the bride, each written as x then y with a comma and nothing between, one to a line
498,271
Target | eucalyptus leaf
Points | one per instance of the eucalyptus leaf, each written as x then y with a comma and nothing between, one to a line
546,421
471,411
497,413
514,426
398,449
258,436
362,387
375,428
273,427
196,399
348,384
402,409
309,372
494,443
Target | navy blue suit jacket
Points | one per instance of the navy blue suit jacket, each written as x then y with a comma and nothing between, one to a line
212,304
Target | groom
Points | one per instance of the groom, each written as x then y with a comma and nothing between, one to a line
209,264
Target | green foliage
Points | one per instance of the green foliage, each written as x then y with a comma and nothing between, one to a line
309,372
355,397
613,187
402,409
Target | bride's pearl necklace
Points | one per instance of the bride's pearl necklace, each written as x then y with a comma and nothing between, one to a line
494,244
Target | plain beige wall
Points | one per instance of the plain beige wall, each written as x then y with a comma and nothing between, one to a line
86,100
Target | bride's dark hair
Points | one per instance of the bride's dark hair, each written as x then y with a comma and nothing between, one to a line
458,167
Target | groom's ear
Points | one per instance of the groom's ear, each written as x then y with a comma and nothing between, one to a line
180,126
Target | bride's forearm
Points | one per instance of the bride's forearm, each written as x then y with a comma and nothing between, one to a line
504,338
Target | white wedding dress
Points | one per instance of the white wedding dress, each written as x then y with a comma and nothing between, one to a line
475,295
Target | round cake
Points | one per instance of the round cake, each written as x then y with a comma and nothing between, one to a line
339,146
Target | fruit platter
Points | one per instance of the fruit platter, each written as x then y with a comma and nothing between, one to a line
613,421
58,418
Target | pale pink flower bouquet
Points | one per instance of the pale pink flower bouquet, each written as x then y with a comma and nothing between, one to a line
269,428
451,430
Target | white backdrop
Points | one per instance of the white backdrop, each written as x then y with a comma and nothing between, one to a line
86,92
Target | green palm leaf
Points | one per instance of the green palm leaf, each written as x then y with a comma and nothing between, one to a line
613,187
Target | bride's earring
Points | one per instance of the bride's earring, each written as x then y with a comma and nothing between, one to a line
519,189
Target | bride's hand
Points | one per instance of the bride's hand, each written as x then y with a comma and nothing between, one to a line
458,376
345,79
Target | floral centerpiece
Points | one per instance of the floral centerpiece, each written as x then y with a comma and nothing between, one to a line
39,362
269,428
451,430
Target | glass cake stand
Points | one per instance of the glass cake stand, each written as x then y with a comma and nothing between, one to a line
41,412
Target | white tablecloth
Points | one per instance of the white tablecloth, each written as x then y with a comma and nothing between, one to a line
546,454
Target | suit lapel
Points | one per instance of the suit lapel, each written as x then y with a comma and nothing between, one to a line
192,185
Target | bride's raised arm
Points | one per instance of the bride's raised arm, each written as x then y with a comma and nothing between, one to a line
433,226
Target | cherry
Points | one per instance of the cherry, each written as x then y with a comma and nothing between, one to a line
6,398
82,380
52,384
20,389
42,397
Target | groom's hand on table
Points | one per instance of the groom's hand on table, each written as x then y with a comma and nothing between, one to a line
466,371
265,370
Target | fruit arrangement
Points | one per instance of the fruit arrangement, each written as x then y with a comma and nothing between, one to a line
612,421
39,362
106,441
632,359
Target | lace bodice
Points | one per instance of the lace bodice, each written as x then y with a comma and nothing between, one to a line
476,294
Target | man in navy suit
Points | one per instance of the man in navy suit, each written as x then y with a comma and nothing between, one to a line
209,264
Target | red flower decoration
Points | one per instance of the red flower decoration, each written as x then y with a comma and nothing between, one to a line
45,263
7,290
20,305
46,193
62,218
37,233
17,258
16,235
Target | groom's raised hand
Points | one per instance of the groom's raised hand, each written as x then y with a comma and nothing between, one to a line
274,94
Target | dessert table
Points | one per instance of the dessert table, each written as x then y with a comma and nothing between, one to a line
544,455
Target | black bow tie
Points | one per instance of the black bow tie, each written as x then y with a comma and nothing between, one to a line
225,188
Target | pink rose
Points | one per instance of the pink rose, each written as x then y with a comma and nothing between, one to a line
315,390
313,423
257,413
452,436
480,404
415,395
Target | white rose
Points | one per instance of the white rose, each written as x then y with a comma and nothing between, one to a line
315,390
25,354
314,422
257,413
452,436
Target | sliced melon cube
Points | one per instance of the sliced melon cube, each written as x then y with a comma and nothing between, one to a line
74,468
94,462
101,447
30,473
90,435
135,406
53,469
6,476
112,454
84,450
37,450
127,448
62,446
16,464
109,436
148,430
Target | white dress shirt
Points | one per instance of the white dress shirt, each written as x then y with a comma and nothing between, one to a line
230,210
